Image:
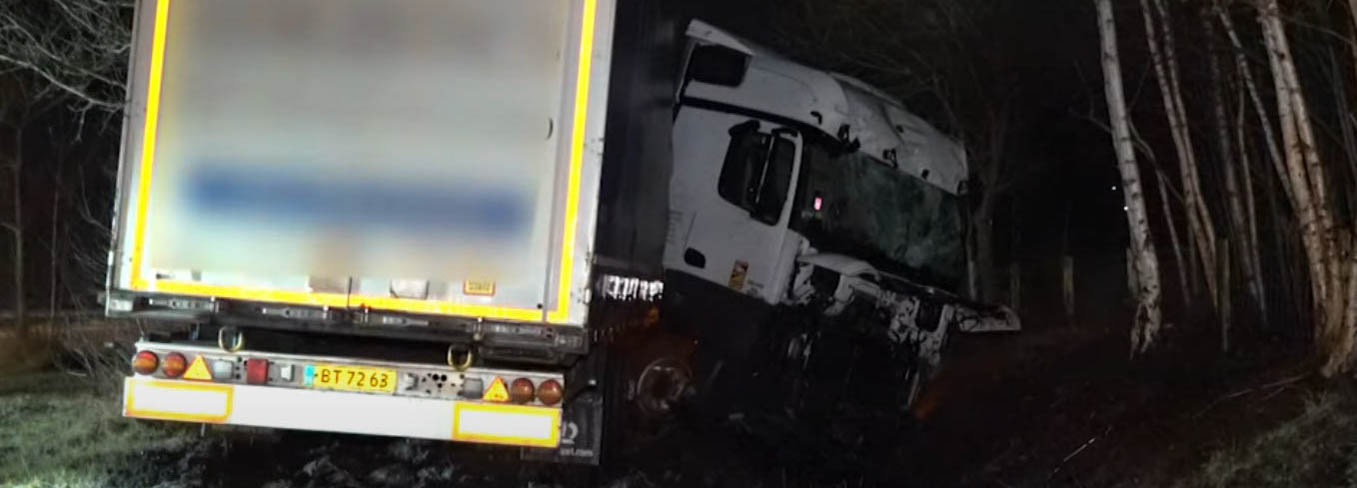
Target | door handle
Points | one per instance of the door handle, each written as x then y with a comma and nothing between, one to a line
695,258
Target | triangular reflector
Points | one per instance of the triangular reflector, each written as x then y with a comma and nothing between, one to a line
198,370
497,391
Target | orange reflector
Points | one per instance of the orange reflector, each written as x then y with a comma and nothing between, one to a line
176,400
198,370
514,425
497,391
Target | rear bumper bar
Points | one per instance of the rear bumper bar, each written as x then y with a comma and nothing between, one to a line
334,411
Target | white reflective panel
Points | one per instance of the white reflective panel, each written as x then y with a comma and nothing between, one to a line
358,413
505,424
150,397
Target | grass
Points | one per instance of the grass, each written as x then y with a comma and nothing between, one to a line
64,431
1316,448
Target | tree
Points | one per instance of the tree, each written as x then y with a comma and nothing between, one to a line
70,53
1332,266
1163,55
1145,330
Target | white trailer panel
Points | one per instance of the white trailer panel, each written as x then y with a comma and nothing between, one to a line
424,156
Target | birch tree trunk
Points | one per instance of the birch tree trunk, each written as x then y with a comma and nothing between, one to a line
1174,242
1315,171
1251,86
1255,267
1233,194
1333,285
1145,330
1296,178
1200,225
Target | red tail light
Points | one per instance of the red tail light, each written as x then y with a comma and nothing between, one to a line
521,390
550,392
145,362
256,371
174,365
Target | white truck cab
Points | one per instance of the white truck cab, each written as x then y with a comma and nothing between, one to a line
789,178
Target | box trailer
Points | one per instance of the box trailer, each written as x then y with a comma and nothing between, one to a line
331,195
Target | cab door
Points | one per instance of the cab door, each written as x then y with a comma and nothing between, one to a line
731,199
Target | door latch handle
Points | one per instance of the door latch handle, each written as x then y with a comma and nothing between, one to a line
695,258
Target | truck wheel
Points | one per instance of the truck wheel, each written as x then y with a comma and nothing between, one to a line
661,386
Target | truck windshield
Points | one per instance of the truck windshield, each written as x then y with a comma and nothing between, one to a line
854,205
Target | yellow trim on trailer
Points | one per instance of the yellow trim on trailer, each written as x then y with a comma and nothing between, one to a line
558,314
148,133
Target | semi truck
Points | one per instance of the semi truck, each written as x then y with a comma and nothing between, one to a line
515,222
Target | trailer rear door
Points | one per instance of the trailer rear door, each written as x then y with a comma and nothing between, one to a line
423,156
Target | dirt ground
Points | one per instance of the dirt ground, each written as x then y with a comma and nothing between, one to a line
1059,407
1067,407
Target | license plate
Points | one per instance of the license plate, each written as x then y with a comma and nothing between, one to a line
351,378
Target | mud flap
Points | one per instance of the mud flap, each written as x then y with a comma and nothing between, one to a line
581,434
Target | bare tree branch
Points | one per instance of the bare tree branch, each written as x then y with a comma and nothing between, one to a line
74,49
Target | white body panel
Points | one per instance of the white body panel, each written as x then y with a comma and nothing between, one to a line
291,167
740,251
830,104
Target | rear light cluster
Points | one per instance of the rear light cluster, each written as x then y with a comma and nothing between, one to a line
549,392
256,371
175,365
147,362
521,390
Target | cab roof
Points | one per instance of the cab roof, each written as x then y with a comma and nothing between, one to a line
884,128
